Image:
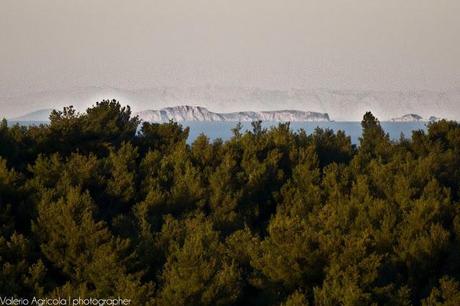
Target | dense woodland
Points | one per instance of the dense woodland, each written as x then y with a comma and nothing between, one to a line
91,205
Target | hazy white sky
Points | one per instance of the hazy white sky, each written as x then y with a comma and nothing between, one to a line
337,44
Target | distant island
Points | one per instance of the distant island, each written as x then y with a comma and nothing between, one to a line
414,118
198,113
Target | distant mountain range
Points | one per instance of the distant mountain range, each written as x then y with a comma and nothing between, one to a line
340,105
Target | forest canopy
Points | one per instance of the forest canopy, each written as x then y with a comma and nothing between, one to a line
99,204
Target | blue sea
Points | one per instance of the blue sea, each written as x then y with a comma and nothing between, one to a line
223,130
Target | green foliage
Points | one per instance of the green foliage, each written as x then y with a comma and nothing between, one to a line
122,172
447,294
198,271
160,137
374,142
20,273
296,299
92,205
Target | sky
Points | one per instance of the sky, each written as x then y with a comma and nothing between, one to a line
337,44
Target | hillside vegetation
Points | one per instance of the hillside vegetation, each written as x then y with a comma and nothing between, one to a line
91,206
